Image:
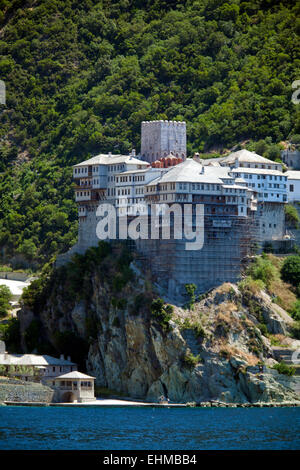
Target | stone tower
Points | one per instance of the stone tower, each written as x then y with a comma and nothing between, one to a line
160,138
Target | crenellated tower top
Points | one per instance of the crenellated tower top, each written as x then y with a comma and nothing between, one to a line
161,138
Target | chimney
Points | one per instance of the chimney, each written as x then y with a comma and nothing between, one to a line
133,152
109,154
196,157
62,358
69,358
202,170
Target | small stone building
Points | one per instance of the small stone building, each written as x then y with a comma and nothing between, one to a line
74,387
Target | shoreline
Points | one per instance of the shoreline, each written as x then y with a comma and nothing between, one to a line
107,402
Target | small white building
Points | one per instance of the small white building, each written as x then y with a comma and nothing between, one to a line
74,387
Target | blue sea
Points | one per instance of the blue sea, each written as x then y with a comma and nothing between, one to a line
137,428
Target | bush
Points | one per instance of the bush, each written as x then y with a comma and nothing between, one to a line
290,271
295,312
296,330
285,369
10,334
263,329
162,313
5,298
190,290
191,361
262,269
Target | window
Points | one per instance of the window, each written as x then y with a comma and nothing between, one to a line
291,188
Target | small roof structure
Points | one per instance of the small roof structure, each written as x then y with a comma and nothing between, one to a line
245,156
106,159
240,180
74,375
292,175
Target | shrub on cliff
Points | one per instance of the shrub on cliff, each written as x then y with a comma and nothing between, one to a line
285,369
290,271
263,269
162,313
291,216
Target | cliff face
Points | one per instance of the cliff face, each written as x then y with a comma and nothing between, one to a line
213,350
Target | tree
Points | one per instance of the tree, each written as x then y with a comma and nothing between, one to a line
5,298
290,271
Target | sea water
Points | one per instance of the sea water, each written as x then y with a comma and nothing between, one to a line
138,428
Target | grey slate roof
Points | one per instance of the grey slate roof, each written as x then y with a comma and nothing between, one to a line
105,159
33,360
190,171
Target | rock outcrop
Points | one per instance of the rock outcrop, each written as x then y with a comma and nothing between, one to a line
212,351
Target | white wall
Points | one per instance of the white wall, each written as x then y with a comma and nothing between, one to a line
293,187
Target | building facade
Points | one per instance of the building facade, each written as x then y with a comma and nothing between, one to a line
33,367
242,195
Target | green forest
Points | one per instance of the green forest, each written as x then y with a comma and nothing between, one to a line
81,76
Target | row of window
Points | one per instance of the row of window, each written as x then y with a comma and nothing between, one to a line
116,167
262,166
129,178
81,170
263,177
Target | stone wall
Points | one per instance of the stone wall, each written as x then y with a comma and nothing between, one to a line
14,276
13,390
159,138
271,219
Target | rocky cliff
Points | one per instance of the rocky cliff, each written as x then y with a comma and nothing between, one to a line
212,349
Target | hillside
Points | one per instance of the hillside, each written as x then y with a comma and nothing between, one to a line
81,76
102,311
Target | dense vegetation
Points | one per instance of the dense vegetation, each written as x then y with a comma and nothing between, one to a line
81,76
280,277
5,298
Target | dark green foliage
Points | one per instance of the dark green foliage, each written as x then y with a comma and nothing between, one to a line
268,247
296,330
285,369
190,361
262,269
10,334
81,76
290,271
263,329
295,312
190,291
5,298
161,312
